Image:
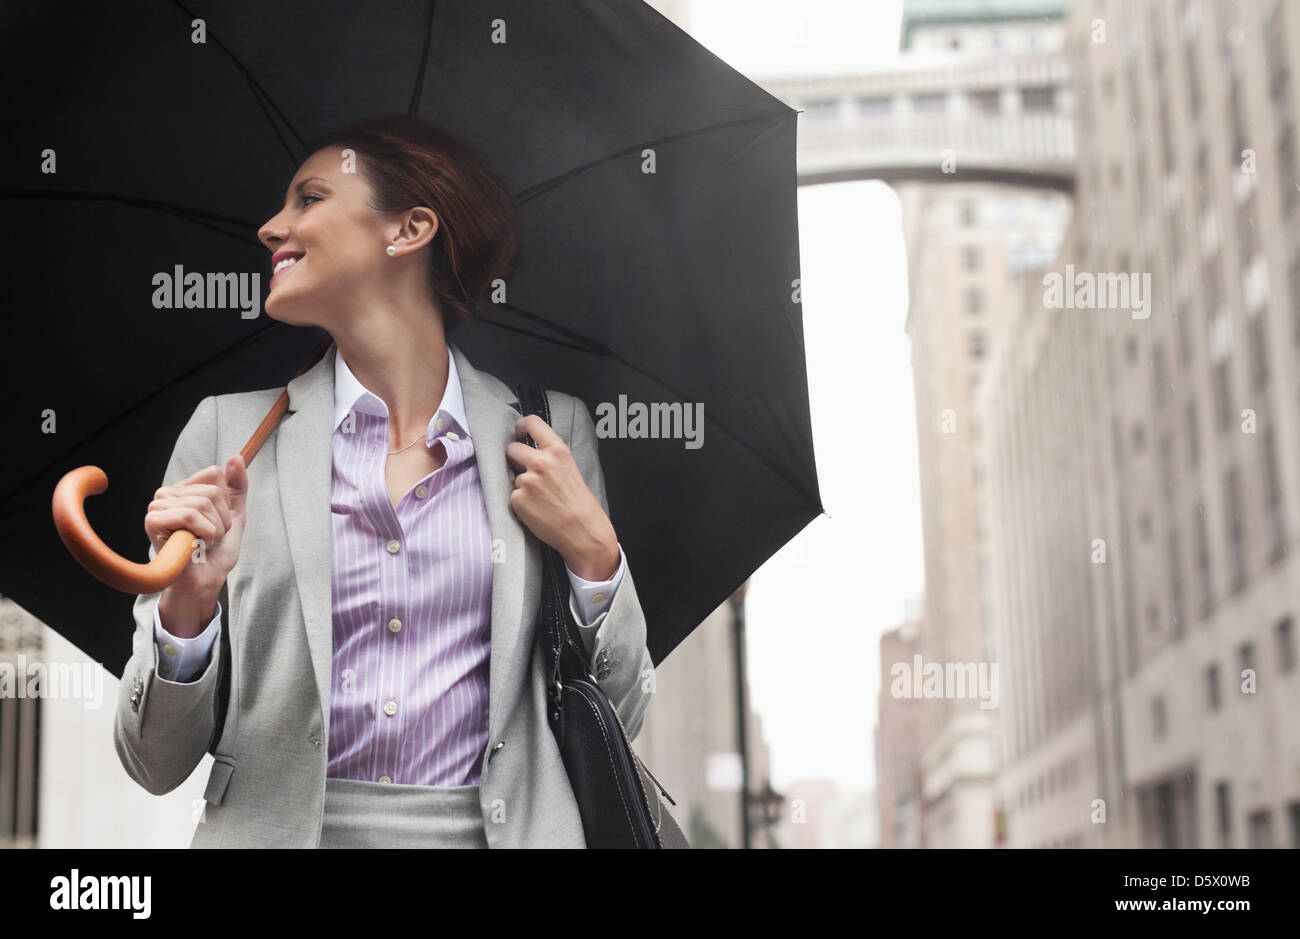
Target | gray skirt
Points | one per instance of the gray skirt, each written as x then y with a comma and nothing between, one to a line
361,814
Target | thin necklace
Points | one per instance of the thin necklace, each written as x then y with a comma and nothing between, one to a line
408,446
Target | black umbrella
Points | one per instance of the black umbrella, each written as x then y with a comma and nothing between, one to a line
655,184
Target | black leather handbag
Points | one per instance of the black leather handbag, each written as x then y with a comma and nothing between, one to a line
617,796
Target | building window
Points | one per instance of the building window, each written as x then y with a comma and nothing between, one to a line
1038,99
976,344
1246,657
1212,686
974,301
1259,352
971,259
1285,646
1203,561
1286,169
1176,581
1247,233
1261,829
875,107
1223,813
930,104
1193,435
986,102
822,108
1235,532
1274,510
1223,395
1158,725
968,213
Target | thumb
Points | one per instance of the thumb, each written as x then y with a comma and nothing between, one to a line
237,483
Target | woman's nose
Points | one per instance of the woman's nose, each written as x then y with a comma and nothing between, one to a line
272,232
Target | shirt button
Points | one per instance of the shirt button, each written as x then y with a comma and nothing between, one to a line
597,598
169,649
394,546
421,492
390,708
165,668
385,779
452,435
395,624
440,423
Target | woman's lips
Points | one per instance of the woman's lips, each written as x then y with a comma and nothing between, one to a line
287,267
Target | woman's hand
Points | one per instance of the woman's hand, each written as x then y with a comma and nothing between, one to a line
553,500
210,505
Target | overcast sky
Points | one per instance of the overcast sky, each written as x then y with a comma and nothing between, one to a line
815,612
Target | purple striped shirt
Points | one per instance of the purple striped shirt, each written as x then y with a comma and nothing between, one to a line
412,602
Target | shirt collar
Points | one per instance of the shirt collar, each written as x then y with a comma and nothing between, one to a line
350,394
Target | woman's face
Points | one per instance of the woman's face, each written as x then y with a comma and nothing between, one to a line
335,241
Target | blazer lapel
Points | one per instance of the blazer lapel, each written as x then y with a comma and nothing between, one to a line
305,463
516,558
304,456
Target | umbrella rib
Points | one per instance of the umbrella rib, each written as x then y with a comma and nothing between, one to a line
596,348
540,189
197,216
413,108
258,90
259,336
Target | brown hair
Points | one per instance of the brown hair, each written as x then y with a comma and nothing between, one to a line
408,162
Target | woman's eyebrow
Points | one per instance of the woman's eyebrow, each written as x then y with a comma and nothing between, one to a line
301,185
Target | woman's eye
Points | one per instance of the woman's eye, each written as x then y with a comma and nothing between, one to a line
307,196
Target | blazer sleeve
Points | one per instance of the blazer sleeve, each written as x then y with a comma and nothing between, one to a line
163,728
616,639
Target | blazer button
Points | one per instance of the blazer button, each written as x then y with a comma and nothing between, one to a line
499,744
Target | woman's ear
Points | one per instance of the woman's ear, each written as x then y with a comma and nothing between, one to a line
419,226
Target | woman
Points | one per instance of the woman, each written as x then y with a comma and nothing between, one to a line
355,643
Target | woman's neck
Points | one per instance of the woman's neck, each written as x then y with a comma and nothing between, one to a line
407,369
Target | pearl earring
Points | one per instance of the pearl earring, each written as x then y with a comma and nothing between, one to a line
392,251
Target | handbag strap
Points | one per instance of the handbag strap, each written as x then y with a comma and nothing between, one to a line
562,648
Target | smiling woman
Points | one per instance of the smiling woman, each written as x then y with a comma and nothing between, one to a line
395,698
365,179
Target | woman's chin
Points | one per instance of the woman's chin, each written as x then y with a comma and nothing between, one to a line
283,310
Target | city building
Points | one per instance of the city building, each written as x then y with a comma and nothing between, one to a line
968,244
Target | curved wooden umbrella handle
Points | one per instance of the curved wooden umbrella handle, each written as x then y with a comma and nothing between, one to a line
105,563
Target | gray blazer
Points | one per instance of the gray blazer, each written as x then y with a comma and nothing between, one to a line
267,786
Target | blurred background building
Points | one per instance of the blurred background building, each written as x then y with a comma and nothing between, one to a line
1108,502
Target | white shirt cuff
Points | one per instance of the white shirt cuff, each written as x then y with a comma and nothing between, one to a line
179,660
593,597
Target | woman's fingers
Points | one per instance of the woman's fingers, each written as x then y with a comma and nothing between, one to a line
220,522
162,523
212,500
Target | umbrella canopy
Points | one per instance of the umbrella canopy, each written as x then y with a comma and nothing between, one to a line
656,187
